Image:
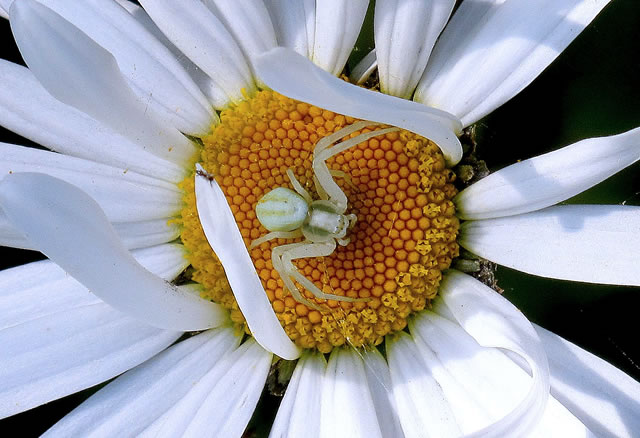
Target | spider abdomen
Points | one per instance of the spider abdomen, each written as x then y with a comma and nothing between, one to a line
282,209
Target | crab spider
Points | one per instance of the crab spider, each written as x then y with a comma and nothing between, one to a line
290,214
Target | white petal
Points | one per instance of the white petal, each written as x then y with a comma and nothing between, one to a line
10,236
124,196
29,110
152,71
58,338
423,408
364,69
147,233
494,322
166,261
590,243
5,4
223,401
71,229
379,379
558,420
38,290
79,72
550,178
3,12
136,399
347,404
403,54
26,292
198,33
129,6
249,22
133,234
68,351
603,397
338,24
203,81
303,81
492,49
224,237
294,23
299,411
481,384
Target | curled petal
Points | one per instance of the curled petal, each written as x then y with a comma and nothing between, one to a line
134,235
481,385
124,196
225,239
81,73
26,108
303,81
494,322
58,338
69,227
604,398
415,386
152,72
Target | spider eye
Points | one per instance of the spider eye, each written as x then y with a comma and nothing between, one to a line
282,209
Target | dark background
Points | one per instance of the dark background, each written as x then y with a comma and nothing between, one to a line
592,89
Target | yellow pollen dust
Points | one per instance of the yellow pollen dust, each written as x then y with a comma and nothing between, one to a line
400,190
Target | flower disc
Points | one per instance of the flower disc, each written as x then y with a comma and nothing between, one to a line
399,189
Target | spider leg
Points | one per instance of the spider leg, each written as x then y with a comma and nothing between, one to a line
345,176
335,173
323,174
309,249
298,187
321,193
278,265
351,221
327,141
330,139
275,235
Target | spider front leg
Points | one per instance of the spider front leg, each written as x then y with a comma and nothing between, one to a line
305,250
336,174
330,139
323,174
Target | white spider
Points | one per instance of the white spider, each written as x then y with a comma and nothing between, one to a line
289,214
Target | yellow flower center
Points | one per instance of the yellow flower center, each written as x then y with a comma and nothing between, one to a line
399,189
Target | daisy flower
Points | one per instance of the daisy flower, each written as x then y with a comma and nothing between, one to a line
144,248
